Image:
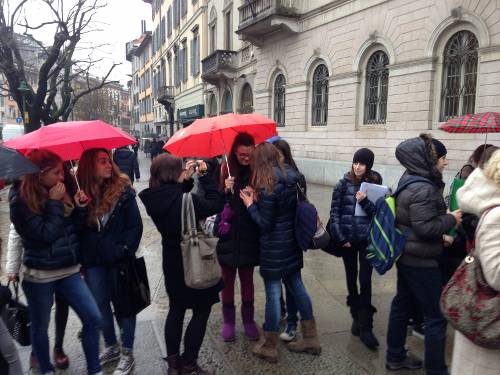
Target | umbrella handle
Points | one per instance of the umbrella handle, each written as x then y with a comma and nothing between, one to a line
74,175
228,171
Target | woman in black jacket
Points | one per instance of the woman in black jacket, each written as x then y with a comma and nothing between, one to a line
238,248
271,202
111,234
163,201
351,233
43,215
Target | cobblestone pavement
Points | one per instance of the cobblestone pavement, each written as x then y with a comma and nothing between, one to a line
323,275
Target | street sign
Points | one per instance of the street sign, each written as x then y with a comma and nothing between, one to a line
19,120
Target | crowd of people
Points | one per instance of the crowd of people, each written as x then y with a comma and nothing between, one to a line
68,241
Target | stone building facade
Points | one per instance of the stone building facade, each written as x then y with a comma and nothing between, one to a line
340,75
230,67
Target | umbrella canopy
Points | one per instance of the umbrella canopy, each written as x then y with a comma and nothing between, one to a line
487,122
14,165
70,139
213,136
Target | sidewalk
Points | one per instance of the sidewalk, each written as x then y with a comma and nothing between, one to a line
323,275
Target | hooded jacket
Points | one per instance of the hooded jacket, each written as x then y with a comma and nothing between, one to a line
126,160
164,205
344,226
478,195
118,239
421,207
274,213
49,239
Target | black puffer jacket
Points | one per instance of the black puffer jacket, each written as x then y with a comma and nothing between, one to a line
118,239
421,206
126,160
344,226
275,215
49,240
240,247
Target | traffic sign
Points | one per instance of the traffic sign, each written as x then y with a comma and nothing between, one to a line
19,120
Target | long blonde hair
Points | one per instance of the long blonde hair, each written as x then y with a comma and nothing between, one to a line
103,196
265,158
31,191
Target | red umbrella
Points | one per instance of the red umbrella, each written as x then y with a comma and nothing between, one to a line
488,122
213,136
70,139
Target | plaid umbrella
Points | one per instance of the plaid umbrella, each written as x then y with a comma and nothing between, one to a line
488,122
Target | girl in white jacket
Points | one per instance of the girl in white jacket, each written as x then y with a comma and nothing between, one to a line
481,196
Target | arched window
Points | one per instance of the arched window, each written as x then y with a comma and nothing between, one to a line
377,82
320,96
246,99
227,102
458,92
279,100
212,106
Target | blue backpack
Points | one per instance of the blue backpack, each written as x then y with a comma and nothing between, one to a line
386,241
306,221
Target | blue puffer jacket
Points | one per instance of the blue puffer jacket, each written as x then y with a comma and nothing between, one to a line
119,238
49,239
344,226
275,215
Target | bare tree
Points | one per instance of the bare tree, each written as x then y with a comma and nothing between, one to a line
51,97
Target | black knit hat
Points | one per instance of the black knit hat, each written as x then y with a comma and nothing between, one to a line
440,148
364,156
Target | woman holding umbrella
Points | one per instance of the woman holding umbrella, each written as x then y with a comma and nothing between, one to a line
111,237
43,214
238,246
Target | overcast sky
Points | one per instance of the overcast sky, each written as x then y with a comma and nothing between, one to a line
120,22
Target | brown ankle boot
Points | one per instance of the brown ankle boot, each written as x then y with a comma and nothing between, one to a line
266,348
174,364
309,342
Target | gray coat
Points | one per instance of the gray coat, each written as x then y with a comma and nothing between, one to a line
421,206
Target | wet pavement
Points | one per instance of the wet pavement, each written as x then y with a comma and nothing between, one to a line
324,278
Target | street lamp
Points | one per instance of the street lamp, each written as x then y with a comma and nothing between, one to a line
24,89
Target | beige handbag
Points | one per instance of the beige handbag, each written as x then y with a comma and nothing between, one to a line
201,269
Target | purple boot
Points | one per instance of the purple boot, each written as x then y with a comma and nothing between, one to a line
251,330
228,314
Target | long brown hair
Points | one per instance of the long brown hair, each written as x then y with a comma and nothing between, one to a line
165,169
31,191
242,139
103,196
263,163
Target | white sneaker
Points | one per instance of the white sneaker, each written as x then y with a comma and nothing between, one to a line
126,364
288,334
110,354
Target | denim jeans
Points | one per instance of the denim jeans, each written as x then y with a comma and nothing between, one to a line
98,280
73,289
294,284
291,309
421,286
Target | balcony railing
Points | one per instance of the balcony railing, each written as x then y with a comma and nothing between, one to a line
166,95
256,9
256,17
219,64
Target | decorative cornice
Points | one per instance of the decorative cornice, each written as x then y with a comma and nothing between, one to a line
409,63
